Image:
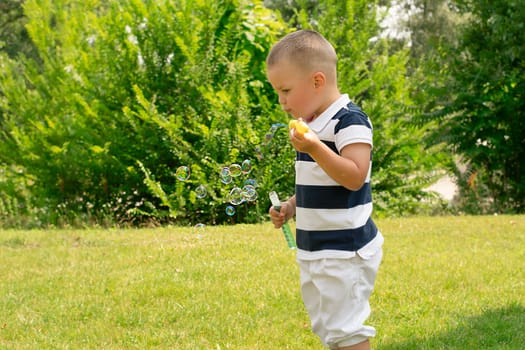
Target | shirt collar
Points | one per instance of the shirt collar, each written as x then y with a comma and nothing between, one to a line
320,122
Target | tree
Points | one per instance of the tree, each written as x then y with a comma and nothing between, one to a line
14,38
430,23
481,105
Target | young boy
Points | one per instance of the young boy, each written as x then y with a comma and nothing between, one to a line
339,247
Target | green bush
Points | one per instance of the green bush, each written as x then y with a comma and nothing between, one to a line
155,84
123,93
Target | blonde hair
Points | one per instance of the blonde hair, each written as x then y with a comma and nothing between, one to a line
308,49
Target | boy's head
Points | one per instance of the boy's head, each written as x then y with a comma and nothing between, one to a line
302,68
307,49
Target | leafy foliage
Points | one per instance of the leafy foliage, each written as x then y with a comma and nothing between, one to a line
162,84
122,93
483,105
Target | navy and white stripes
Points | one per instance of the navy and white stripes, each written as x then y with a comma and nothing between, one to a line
332,219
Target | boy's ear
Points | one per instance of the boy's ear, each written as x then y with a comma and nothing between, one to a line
319,79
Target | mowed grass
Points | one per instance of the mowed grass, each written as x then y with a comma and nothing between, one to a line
445,283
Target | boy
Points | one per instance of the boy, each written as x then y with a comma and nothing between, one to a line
339,247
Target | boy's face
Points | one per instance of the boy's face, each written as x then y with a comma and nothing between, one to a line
297,90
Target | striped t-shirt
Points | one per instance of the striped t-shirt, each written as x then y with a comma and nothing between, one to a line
333,221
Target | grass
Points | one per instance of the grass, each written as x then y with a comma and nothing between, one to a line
445,283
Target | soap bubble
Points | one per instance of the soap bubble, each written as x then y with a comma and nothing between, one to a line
225,171
269,135
226,179
235,197
249,193
225,175
235,170
182,173
230,210
201,191
246,166
198,229
275,126
259,152
199,226
251,182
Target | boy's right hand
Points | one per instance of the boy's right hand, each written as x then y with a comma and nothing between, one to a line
279,217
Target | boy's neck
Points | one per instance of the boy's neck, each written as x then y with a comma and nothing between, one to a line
330,98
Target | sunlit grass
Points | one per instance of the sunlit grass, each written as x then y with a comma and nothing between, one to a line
445,283
452,283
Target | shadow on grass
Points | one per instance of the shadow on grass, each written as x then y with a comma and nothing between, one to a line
494,329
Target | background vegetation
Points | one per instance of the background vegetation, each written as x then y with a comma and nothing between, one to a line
475,95
102,101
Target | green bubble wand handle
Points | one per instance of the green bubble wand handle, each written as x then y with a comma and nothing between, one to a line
287,231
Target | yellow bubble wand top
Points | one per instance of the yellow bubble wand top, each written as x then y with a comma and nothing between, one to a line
299,125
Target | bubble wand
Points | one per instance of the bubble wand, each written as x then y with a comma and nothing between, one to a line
288,235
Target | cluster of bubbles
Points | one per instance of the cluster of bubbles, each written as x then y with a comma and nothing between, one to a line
238,194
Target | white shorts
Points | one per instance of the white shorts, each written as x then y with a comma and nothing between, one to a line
336,293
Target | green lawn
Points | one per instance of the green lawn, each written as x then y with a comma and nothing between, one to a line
445,283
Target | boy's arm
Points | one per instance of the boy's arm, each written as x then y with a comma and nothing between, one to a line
348,169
